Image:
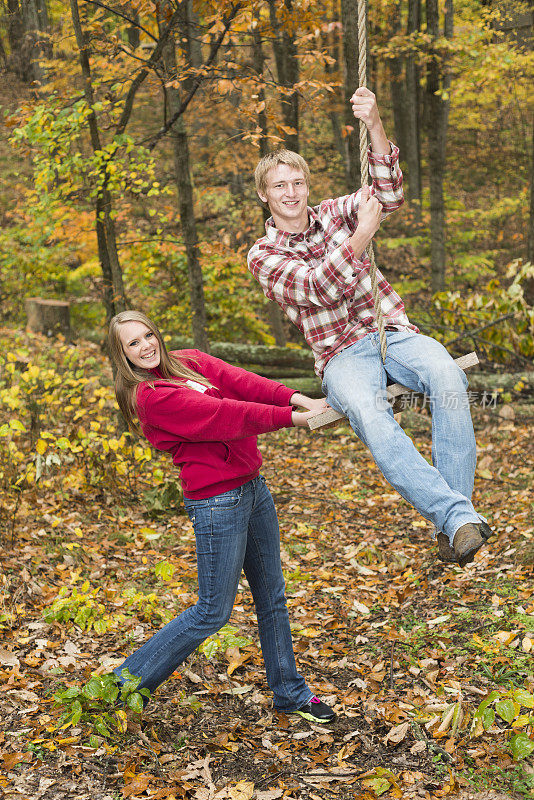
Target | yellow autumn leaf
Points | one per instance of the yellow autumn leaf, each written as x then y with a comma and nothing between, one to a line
122,720
505,637
310,632
16,425
241,791
41,446
521,721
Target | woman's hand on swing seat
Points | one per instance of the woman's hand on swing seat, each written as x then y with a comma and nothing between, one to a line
313,406
300,418
317,404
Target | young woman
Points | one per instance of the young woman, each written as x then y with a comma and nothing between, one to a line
207,414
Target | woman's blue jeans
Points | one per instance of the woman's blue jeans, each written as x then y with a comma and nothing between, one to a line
355,385
237,530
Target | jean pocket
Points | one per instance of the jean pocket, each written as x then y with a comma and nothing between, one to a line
229,499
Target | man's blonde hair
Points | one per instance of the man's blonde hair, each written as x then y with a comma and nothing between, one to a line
275,158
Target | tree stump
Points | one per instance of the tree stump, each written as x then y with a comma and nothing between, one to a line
48,316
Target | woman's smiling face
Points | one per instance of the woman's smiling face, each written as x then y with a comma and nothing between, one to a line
140,345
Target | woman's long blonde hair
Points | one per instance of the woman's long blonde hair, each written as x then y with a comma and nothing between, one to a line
128,376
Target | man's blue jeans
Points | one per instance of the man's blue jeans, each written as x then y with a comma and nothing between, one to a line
235,530
355,385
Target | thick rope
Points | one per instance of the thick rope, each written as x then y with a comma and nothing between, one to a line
364,166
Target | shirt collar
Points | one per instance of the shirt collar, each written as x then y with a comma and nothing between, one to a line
275,234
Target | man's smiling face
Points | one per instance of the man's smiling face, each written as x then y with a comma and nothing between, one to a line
287,196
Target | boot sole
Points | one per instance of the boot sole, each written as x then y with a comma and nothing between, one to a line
311,718
468,557
485,531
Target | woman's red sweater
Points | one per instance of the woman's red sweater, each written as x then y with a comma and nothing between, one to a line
211,435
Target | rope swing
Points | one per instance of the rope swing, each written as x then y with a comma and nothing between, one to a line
364,171
330,418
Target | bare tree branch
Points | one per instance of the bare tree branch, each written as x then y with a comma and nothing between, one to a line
490,324
198,80
138,80
128,19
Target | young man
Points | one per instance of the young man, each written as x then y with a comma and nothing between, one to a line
312,261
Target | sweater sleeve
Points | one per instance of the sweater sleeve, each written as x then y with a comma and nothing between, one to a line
238,383
194,416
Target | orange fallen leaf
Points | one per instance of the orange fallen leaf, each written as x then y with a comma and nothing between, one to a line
137,785
236,659
12,759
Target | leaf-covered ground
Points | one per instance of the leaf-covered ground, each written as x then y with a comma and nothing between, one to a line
406,648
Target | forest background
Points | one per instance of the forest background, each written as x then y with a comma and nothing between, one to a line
131,133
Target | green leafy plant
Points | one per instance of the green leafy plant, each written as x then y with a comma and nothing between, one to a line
479,311
514,707
227,637
82,608
163,497
100,704
164,570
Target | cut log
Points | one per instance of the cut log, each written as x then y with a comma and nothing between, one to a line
251,354
48,316
330,418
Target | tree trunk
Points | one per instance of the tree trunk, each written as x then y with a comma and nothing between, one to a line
529,283
285,55
184,187
195,44
15,28
44,26
114,295
292,75
437,132
333,70
273,309
3,54
397,87
530,240
132,31
32,18
349,21
412,144
27,22
258,60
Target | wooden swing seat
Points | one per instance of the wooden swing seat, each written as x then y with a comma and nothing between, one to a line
331,418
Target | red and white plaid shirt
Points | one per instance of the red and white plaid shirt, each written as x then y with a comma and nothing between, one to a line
315,276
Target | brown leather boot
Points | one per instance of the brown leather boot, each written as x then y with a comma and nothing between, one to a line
467,540
446,552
